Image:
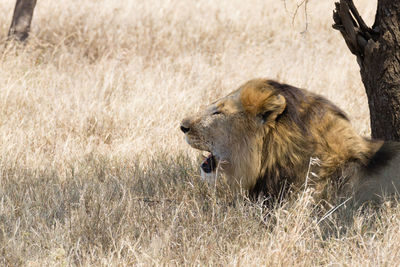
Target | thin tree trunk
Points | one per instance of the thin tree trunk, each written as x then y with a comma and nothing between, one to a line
21,21
378,54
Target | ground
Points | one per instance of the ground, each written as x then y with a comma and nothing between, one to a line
94,169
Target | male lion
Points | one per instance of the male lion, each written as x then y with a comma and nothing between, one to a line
262,136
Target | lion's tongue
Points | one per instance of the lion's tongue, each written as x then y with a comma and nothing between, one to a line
208,164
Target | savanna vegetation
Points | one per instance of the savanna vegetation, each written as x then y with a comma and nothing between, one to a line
94,170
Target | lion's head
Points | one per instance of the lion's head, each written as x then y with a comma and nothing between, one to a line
263,135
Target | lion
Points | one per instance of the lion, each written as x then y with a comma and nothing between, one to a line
261,137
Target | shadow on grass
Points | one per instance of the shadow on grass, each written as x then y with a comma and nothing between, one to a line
111,212
99,204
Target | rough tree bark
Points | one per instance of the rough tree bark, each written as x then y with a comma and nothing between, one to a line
378,54
21,21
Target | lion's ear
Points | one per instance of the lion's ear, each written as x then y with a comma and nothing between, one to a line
263,104
272,108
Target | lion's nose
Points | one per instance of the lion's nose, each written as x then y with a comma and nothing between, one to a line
185,129
185,126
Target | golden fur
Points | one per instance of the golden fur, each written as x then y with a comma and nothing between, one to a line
264,134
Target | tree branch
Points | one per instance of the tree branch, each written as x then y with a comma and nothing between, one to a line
355,32
357,16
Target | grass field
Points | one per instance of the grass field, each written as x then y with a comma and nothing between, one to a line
94,170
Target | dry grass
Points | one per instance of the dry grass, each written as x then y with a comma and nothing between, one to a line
94,170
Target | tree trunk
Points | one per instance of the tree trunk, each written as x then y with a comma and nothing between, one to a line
21,21
378,54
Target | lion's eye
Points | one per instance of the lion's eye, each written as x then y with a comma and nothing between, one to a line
216,112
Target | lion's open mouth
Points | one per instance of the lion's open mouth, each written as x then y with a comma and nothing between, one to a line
209,164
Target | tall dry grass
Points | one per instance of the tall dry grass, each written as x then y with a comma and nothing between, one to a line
94,170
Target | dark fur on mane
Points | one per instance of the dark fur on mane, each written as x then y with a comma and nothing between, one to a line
295,98
291,142
383,156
